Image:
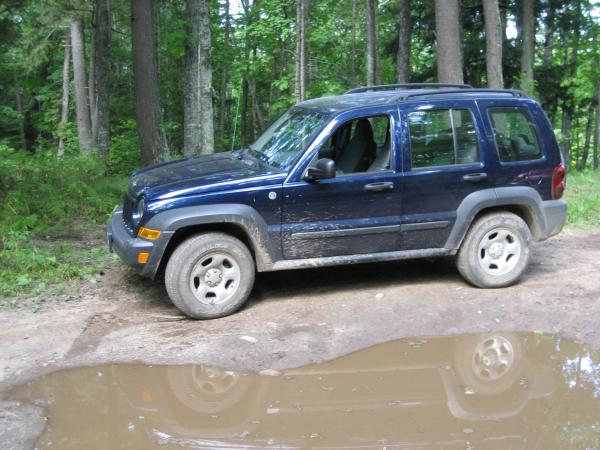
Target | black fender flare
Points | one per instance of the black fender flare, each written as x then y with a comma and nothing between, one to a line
527,199
243,216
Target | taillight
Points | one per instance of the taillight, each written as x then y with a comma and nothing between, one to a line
558,181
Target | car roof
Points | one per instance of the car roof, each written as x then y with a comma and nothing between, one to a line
389,94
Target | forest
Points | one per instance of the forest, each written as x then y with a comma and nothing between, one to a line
91,90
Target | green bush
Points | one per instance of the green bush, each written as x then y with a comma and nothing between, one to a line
50,213
41,195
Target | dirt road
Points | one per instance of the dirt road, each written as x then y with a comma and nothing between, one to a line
305,316
300,317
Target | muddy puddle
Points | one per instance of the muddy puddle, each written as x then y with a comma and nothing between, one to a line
495,391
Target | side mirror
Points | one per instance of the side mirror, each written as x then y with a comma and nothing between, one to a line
323,169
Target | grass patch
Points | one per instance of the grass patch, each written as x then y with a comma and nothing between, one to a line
50,215
583,195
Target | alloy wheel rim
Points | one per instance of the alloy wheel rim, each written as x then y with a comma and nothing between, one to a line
493,358
215,278
499,251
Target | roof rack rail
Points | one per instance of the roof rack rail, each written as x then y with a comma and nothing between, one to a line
512,92
388,87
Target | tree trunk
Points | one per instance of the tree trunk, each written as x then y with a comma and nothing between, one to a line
205,91
244,116
588,137
528,44
64,106
301,49
373,71
21,111
449,54
82,109
404,39
224,77
493,43
102,69
353,78
259,122
596,161
153,142
92,82
191,86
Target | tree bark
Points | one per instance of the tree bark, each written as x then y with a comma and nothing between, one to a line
102,69
64,106
588,137
223,98
493,42
82,109
21,111
449,53
404,40
353,78
373,70
301,49
259,123
528,44
153,142
191,86
92,82
205,91
596,161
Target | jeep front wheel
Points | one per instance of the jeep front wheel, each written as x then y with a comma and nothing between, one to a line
210,275
495,252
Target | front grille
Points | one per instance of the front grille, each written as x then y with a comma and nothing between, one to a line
128,207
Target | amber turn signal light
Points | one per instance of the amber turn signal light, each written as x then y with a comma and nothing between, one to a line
143,257
149,233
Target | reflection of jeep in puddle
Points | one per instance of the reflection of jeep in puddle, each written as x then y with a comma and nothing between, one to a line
481,391
425,392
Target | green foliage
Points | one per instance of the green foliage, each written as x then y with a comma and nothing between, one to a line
45,196
582,193
50,212
32,266
124,156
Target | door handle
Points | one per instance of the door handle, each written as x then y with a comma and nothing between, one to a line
380,186
475,177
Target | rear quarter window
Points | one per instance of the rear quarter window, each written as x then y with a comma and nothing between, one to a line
515,134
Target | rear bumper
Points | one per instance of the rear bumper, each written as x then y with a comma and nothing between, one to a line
556,216
128,247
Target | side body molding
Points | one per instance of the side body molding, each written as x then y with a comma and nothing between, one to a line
245,217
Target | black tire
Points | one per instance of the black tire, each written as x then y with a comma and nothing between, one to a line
486,266
194,278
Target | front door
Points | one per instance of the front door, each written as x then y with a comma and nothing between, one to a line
358,211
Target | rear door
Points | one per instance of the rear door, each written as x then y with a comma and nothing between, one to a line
353,213
444,162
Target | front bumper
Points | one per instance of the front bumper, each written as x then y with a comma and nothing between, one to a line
128,247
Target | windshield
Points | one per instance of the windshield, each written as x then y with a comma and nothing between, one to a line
283,141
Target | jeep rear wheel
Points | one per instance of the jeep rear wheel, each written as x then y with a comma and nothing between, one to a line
210,275
495,252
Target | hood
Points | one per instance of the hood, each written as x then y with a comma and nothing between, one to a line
206,173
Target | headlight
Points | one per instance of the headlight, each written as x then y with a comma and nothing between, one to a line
139,211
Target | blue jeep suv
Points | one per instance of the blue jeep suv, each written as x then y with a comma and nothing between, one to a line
378,174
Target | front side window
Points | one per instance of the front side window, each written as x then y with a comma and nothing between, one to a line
442,137
360,145
515,135
282,142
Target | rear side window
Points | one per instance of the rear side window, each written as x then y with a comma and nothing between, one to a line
515,135
442,137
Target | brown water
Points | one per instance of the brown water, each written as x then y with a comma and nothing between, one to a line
498,391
